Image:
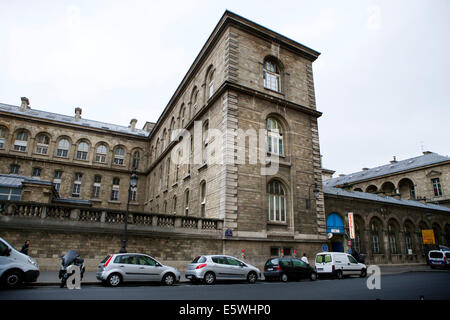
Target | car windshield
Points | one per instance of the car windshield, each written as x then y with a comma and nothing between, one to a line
199,259
104,260
436,255
323,258
8,244
272,262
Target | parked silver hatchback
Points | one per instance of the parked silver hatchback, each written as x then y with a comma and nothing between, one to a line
209,268
122,267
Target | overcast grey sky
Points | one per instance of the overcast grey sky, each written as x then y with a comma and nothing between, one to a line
382,80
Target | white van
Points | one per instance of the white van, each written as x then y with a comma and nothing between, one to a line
338,264
16,267
439,258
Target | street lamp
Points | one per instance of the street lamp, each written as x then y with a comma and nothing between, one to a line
132,187
316,194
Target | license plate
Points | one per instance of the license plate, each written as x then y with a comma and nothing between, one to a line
320,269
188,277
269,269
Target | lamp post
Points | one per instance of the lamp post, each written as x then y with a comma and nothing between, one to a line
316,194
132,187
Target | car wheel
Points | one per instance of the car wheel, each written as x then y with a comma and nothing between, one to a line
169,279
210,278
284,277
363,273
252,277
114,280
313,276
339,274
13,279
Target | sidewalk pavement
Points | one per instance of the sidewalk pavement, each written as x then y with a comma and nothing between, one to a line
51,277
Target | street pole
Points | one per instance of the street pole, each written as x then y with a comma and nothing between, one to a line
133,184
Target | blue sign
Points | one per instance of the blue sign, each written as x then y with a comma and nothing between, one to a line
324,247
228,233
350,251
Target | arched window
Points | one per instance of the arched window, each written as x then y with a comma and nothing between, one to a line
409,229
186,202
203,199
271,75
100,155
276,198
171,128
2,137
136,159
194,97
275,143
42,143
375,228
205,138
174,201
182,115
82,151
21,141
210,83
63,148
392,235
119,156
164,140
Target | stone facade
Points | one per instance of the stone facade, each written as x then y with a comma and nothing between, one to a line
397,228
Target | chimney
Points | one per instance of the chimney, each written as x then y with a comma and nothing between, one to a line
133,125
77,114
427,152
25,104
394,160
365,169
342,175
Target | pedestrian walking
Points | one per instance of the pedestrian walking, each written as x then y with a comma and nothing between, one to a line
25,247
305,259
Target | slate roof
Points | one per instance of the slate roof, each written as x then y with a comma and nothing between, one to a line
71,119
403,165
373,197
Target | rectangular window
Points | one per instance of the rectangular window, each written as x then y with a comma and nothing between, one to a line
62,153
271,81
133,195
20,146
76,191
36,172
96,191
14,169
81,155
114,195
393,244
437,187
274,251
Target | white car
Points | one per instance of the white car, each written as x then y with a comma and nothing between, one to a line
123,267
16,267
338,264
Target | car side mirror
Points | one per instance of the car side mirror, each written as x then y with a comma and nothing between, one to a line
242,264
158,265
6,252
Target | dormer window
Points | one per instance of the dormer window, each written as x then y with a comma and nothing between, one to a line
271,74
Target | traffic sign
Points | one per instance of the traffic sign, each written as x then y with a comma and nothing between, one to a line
324,247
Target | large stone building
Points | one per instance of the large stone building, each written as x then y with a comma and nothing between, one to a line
247,85
232,165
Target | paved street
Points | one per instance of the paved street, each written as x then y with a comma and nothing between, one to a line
408,285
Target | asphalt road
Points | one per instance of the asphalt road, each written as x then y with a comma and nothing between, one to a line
404,286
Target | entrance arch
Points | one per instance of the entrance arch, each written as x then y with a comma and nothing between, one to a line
335,226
